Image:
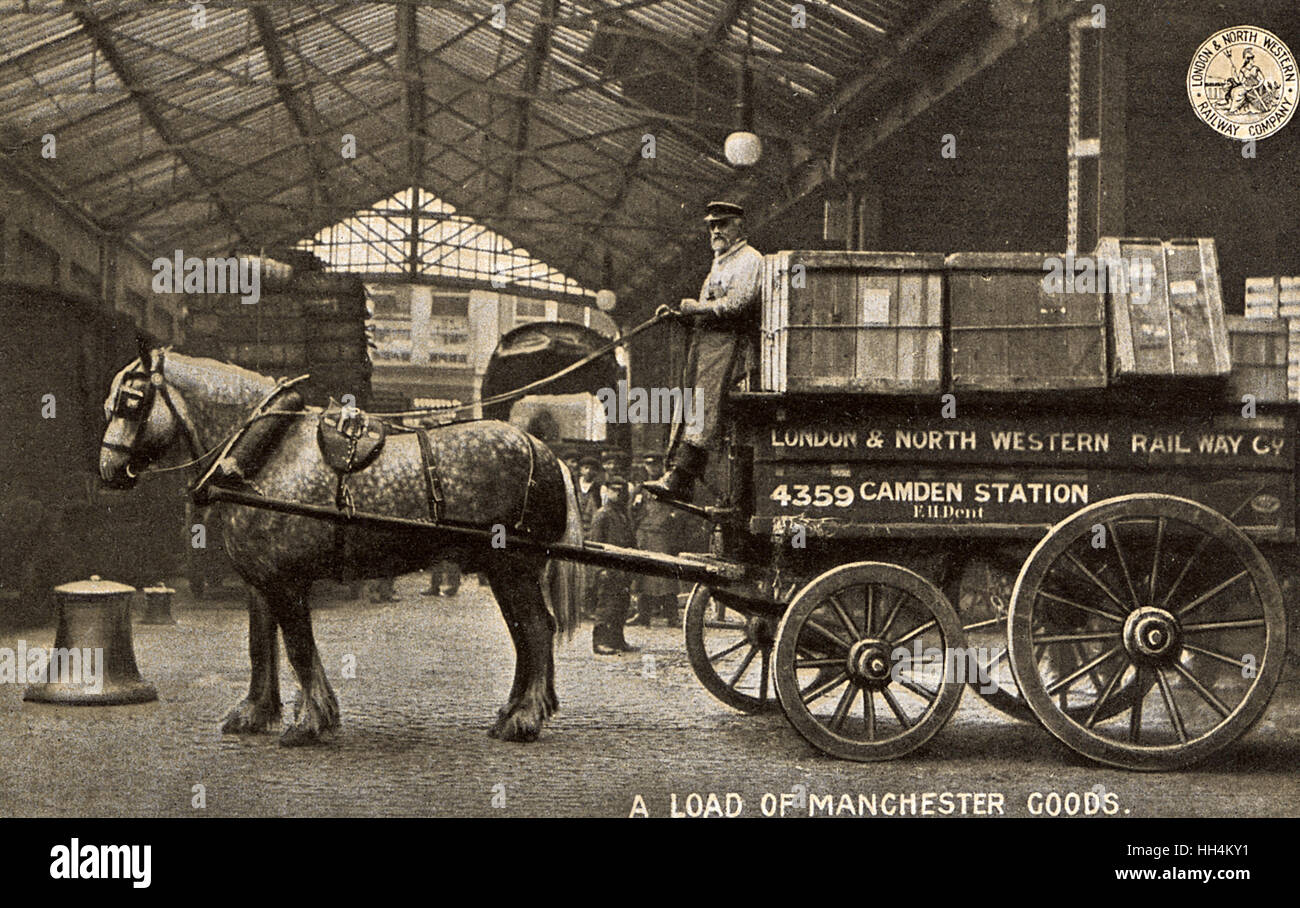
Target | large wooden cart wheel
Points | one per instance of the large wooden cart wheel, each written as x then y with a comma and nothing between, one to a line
730,651
1163,595
866,665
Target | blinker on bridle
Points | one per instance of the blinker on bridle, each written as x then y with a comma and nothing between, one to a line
134,405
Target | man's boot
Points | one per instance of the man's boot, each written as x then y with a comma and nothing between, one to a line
678,484
602,642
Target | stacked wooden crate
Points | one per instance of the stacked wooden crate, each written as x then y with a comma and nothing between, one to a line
852,321
1134,311
1266,342
1012,330
310,322
1166,308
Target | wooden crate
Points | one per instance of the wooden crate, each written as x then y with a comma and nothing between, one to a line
1166,307
1259,349
1261,297
1009,332
852,321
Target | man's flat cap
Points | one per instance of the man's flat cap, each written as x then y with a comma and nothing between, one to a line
588,459
720,211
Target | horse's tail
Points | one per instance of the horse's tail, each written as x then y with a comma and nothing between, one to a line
560,578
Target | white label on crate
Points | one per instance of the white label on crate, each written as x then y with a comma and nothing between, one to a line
875,306
1184,289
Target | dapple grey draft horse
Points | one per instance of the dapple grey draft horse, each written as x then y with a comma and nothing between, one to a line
491,473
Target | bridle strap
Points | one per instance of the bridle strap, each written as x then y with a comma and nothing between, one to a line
191,434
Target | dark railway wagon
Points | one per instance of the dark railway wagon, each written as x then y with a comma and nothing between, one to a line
58,353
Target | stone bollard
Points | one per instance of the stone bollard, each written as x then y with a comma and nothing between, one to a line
93,661
158,605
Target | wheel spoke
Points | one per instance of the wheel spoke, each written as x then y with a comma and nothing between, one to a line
842,708
870,617
1235,663
728,651
1201,689
1206,597
919,689
844,617
1196,553
915,632
1082,637
1223,626
765,672
1100,613
869,711
817,663
1171,705
823,689
893,613
719,625
986,671
749,657
1067,662
1110,689
1123,565
1140,686
981,625
893,705
1081,655
1064,683
1080,566
819,631
1155,559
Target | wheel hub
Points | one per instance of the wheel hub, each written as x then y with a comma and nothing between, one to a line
1152,636
868,662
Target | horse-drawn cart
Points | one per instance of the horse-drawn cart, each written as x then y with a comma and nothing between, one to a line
1107,559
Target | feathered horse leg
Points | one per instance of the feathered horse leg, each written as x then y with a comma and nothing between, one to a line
317,709
532,696
259,712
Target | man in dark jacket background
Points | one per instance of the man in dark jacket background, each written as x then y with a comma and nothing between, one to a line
613,587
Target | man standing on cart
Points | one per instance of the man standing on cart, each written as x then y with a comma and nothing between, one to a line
723,322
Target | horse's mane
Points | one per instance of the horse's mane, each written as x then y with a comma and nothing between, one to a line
216,382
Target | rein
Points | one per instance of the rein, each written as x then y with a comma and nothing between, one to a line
531,386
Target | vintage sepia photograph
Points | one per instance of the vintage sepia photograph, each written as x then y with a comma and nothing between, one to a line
861,409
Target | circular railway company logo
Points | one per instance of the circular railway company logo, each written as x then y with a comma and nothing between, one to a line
1243,83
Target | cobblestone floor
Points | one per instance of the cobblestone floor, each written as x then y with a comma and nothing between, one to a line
430,676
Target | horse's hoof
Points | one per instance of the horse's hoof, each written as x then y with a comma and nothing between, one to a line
327,712
516,727
300,736
249,718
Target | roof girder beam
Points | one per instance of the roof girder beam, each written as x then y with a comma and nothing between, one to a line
99,35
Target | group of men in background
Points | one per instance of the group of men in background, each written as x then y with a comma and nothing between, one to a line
615,511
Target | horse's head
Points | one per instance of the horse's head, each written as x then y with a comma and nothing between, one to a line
144,418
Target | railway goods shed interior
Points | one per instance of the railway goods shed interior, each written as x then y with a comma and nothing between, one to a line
549,161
